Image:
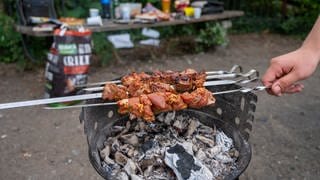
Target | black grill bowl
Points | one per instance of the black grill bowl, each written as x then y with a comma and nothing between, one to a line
232,113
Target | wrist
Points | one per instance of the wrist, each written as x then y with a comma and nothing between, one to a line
313,53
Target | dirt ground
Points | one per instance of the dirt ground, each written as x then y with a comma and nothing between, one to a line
46,144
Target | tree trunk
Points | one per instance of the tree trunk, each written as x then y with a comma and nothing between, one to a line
284,8
1,6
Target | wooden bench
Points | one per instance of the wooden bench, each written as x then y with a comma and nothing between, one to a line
111,26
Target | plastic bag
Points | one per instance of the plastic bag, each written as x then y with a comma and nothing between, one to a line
68,62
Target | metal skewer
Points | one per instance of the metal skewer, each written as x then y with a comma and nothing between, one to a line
231,71
50,101
251,75
99,95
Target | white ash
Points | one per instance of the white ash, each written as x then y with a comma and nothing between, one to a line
172,147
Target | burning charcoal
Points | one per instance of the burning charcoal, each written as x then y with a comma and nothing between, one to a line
126,129
162,140
137,128
120,158
145,163
148,171
195,148
154,128
115,146
180,126
212,152
202,129
147,145
161,117
159,162
131,139
105,155
114,169
130,153
142,125
135,153
141,134
108,141
205,140
224,158
122,176
105,152
185,165
224,141
193,125
169,117
135,177
201,155
130,167
188,147
139,125
234,153
173,147
126,148
117,129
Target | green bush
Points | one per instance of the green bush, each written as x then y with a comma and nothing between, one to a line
212,35
10,41
261,15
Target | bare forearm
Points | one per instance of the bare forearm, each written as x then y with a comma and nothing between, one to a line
312,42
285,71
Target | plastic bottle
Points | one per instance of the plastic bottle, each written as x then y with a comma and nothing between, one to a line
105,9
115,4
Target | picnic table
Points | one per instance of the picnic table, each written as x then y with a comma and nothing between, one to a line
109,25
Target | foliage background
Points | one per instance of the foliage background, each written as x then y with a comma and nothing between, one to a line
290,17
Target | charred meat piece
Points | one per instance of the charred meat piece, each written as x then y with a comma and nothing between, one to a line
199,79
137,107
138,88
176,101
199,98
114,92
183,83
159,102
183,80
148,114
134,77
145,106
161,87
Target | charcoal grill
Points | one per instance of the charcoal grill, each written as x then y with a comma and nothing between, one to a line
232,113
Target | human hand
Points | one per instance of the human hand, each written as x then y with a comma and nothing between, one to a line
285,71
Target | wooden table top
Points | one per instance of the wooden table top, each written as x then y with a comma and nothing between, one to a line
109,25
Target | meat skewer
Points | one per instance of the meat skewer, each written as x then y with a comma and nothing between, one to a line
99,95
146,106
242,90
251,75
114,92
233,71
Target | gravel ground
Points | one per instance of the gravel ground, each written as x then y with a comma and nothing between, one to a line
47,144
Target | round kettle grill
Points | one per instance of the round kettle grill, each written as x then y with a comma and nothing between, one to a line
232,113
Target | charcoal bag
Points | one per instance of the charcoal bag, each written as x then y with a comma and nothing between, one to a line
68,62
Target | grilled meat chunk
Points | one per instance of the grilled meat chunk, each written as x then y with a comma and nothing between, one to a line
114,92
199,98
